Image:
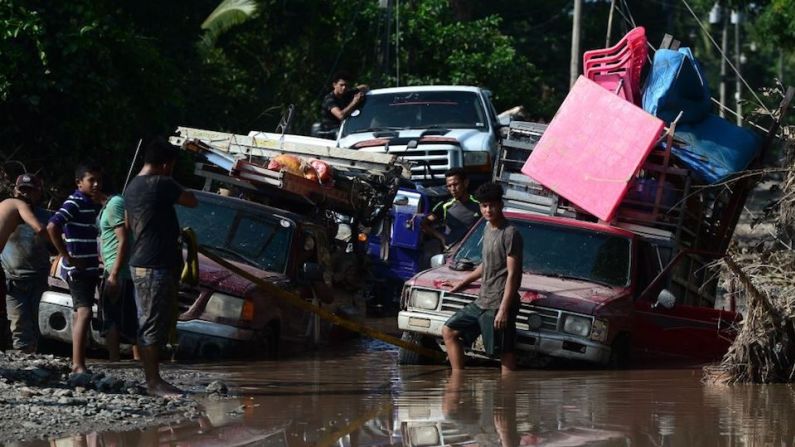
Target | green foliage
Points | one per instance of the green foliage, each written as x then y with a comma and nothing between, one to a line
92,77
228,14
438,49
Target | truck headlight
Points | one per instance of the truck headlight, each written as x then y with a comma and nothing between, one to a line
599,330
224,306
577,325
423,436
424,299
476,158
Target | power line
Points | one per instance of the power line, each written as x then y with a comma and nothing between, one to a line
737,72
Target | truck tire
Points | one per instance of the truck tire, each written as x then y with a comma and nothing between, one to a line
407,357
620,352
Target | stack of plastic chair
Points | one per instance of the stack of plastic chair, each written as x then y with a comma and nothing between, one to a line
618,68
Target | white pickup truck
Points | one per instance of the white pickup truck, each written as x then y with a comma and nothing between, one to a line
434,127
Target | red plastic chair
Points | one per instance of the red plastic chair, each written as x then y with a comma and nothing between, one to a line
619,67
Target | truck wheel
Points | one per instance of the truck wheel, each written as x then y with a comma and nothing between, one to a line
620,352
269,340
407,357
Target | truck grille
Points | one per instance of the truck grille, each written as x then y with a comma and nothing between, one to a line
428,163
549,317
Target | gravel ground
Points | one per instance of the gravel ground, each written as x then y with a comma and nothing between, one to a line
40,399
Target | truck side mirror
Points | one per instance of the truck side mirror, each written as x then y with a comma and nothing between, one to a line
311,271
438,260
665,299
504,121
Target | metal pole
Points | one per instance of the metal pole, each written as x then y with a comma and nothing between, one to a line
387,44
397,43
610,23
132,165
574,67
724,45
737,81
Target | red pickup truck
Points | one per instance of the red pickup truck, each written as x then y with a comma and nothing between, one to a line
640,287
586,294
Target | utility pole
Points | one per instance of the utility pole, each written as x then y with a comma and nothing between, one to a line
610,23
574,67
736,19
387,37
724,46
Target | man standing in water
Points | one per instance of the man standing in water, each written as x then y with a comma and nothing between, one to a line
493,313
156,256
13,212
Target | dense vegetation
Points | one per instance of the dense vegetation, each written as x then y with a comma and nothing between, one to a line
92,77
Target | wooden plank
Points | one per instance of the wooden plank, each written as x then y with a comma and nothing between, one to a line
666,42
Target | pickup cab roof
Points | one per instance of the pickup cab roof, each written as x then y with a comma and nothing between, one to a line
568,222
427,88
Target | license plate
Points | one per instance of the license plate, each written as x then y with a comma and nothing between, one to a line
478,345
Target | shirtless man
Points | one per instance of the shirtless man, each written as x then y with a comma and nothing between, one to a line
13,212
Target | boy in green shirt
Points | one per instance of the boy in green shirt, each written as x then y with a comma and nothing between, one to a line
117,299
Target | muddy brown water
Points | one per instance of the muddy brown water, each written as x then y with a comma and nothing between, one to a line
359,396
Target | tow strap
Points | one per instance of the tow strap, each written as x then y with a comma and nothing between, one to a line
297,301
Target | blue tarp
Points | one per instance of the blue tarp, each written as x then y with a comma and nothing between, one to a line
676,83
715,148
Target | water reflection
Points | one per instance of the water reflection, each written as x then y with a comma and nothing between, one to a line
364,399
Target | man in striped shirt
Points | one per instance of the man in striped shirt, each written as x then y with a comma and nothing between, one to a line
73,231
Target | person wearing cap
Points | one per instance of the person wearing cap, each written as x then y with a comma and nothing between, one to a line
26,261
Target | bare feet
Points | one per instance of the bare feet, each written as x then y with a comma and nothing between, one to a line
163,389
77,369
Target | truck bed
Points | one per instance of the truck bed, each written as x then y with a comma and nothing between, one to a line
363,184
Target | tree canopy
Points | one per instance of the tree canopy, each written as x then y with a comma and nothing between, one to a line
89,78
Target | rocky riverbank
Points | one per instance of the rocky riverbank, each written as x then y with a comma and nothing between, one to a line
40,399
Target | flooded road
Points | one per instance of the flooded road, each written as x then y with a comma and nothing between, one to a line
358,396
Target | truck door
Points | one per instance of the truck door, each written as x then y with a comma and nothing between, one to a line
692,332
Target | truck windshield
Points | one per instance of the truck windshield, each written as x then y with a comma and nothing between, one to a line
239,233
418,110
565,252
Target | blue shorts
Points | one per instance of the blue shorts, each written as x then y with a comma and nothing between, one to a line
155,297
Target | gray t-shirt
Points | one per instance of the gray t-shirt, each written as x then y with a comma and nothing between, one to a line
26,255
498,244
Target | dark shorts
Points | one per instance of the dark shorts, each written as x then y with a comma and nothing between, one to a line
155,297
472,321
83,290
119,312
3,297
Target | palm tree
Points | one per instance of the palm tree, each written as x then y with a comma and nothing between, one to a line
228,14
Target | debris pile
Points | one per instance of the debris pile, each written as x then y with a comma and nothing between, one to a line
763,276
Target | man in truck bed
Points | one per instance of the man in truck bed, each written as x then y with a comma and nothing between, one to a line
340,101
493,314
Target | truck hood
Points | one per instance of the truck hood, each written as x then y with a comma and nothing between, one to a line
217,277
565,294
469,139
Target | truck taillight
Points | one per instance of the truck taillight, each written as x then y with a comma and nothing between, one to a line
247,314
